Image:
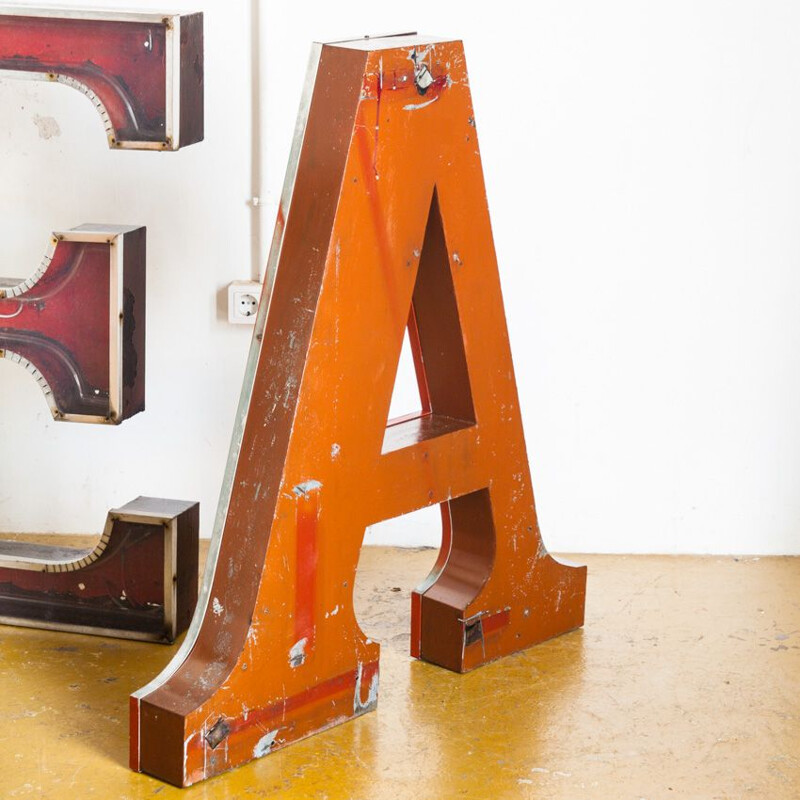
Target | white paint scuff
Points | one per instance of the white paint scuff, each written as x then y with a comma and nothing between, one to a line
372,696
297,655
264,744
306,487
418,106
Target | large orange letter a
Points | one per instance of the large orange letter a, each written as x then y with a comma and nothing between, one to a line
385,225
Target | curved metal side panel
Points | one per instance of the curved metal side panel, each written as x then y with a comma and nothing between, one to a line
78,323
138,582
143,72
387,225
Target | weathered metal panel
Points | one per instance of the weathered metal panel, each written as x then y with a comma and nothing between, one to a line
138,582
143,72
385,221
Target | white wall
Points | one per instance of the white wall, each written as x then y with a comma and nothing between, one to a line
643,172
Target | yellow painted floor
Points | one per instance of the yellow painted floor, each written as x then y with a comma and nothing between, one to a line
685,683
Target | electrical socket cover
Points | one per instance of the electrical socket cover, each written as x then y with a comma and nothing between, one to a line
243,299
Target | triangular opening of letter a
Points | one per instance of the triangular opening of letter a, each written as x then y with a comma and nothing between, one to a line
435,338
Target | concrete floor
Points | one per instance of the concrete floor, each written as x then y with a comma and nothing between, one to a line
685,683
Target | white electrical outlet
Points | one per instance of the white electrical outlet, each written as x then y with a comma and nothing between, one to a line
243,297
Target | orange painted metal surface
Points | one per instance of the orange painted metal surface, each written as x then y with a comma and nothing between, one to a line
384,211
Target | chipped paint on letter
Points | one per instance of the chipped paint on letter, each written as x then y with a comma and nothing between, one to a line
264,744
297,655
372,696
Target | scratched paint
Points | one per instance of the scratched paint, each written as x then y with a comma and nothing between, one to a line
307,557
297,653
381,201
418,106
265,743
